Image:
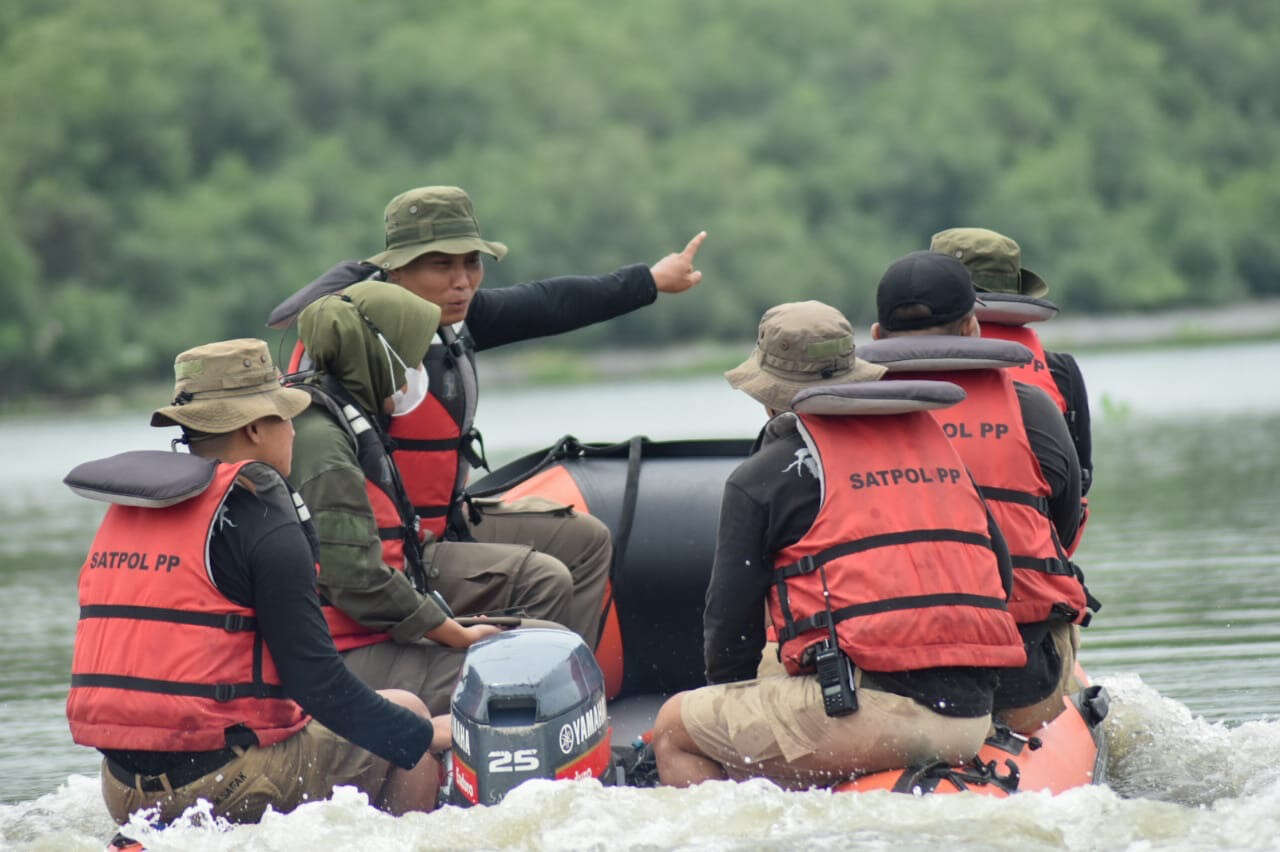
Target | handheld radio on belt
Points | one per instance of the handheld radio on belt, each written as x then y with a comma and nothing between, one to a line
835,669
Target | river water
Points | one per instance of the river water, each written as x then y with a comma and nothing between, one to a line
1183,548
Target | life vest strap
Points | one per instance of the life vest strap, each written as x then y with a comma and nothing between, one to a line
1022,498
435,445
871,542
220,692
431,511
232,622
1050,565
823,619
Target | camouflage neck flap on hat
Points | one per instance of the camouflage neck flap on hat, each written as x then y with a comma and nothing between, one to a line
337,334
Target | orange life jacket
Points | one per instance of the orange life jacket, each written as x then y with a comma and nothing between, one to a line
1035,373
1038,373
901,542
988,432
434,444
163,661
398,526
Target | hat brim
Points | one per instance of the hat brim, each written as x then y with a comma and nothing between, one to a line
398,257
776,392
226,414
1030,284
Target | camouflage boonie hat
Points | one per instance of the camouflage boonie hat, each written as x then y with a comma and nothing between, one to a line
994,260
800,345
222,386
432,218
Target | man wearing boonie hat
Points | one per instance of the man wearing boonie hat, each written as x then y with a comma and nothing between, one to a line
1027,457
188,684
995,264
792,493
434,249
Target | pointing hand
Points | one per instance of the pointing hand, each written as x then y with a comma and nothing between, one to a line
675,272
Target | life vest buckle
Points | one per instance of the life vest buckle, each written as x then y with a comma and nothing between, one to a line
224,692
237,623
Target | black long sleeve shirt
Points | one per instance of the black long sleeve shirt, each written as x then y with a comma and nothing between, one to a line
1053,448
260,558
770,501
1070,381
503,315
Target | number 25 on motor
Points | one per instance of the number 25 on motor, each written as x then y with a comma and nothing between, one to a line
520,760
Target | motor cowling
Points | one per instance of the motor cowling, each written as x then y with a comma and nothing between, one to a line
529,703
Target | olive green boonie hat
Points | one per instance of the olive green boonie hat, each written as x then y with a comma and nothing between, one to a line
222,386
432,218
994,260
800,345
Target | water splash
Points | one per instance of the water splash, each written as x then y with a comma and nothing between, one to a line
1178,783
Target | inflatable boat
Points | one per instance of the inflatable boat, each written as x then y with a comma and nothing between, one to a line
661,501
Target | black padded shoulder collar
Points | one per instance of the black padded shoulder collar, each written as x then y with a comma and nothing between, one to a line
1013,309
338,278
150,478
877,398
920,352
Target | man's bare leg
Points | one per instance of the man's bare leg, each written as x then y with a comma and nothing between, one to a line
680,762
413,789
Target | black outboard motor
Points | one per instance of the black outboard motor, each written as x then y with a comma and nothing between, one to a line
528,704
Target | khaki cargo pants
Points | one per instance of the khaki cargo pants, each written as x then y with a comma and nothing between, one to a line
305,767
775,727
1030,718
532,554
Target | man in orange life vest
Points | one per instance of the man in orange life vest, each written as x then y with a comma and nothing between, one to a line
995,265
821,508
203,668
434,249
1015,442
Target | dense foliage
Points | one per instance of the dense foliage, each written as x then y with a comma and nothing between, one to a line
169,171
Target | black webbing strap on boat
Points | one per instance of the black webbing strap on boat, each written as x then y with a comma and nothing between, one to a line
925,778
513,473
1022,498
215,691
626,518
821,620
231,622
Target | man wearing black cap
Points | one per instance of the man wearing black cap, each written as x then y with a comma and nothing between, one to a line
1029,454
995,264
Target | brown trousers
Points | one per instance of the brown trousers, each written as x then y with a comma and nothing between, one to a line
775,727
559,564
305,767
532,555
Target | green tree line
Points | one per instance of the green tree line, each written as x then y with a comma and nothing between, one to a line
169,171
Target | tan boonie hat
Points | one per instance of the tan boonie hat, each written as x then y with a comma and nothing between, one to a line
432,218
994,260
222,386
800,345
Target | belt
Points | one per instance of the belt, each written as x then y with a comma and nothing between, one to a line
199,765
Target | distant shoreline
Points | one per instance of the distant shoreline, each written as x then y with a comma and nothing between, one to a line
543,363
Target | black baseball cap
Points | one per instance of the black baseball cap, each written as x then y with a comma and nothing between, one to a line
938,281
